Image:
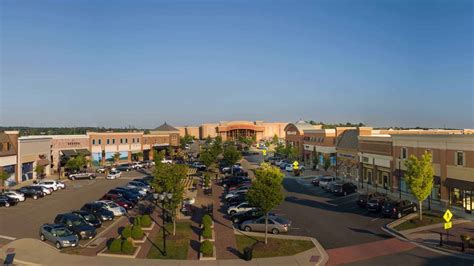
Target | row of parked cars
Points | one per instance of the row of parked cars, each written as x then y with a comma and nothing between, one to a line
285,164
35,191
380,203
68,228
334,185
242,213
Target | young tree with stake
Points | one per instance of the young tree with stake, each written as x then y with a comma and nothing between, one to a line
266,191
419,177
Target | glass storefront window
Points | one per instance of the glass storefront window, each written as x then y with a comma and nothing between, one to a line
456,197
436,192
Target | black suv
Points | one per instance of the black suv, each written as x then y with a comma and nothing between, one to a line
397,209
344,189
89,217
99,211
364,198
375,204
76,224
234,180
32,192
128,195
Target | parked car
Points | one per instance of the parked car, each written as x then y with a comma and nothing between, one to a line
276,225
89,217
15,194
45,190
58,234
82,175
241,217
280,162
125,167
113,207
344,188
331,187
55,185
242,207
375,204
199,166
235,193
139,186
315,181
6,201
235,180
101,170
114,174
99,211
325,180
168,161
121,201
76,224
140,192
364,198
32,192
128,195
137,165
398,209
243,186
235,200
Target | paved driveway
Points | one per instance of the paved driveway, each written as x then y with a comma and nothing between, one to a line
25,219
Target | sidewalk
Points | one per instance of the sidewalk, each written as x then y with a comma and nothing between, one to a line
32,251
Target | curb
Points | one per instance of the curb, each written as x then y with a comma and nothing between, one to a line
400,236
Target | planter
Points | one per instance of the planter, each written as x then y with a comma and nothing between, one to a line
104,253
202,257
140,241
212,239
149,228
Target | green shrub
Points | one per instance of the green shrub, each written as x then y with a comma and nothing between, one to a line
207,233
127,247
206,248
136,220
207,220
145,221
127,232
137,232
116,245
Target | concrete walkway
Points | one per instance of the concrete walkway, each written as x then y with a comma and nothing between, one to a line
34,252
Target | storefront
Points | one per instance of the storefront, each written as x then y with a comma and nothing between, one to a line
460,193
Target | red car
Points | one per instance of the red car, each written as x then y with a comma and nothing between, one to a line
121,201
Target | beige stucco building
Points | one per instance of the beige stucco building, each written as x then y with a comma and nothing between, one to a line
33,151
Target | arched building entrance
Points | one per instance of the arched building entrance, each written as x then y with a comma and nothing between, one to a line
235,130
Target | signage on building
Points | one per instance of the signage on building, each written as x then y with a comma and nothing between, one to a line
290,132
344,155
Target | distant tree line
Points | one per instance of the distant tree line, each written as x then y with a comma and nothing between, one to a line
328,126
25,131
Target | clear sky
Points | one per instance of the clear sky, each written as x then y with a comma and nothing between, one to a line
120,63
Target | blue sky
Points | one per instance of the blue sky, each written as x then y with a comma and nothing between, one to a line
120,63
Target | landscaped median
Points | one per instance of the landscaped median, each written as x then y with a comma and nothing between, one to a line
301,247
207,250
412,221
176,246
128,243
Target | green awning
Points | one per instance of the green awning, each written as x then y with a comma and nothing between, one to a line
84,152
69,153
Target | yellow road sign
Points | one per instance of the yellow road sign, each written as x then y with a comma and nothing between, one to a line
264,152
448,225
295,165
447,216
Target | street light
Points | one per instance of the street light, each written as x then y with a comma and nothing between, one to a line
163,198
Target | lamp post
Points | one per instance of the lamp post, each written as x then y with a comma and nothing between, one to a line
163,198
400,177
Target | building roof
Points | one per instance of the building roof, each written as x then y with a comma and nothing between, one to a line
166,127
4,137
303,125
348,140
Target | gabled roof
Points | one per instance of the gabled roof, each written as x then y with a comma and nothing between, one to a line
348,140
165,127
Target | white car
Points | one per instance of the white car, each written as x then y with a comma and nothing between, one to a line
166,161
44,189
137,165
55,185
235,193
113,207
289,168
15,194
189,201
324,181
114,174
242,207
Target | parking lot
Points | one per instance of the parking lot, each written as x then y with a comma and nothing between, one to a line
24,219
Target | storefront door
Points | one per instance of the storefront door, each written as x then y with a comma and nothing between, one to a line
467,202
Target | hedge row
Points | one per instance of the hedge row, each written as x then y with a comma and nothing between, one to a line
119,245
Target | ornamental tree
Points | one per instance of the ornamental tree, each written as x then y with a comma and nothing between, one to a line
266,191
419,177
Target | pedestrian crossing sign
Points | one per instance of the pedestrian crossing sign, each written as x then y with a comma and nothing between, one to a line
447,216
264,152
448,225
295,165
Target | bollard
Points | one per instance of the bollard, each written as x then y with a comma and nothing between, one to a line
440,239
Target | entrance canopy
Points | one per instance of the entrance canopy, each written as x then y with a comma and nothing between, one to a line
456,183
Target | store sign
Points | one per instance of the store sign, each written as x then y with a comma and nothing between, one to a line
344,155
290,132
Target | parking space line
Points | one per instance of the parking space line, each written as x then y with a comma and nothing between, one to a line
8,237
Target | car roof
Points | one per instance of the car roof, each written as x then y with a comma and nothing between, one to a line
55,226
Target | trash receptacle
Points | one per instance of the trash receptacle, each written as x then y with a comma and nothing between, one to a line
248,253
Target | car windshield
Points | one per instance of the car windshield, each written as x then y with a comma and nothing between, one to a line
62,232
280,220
112,204
77,222
89,217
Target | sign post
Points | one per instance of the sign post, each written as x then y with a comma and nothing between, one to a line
448,215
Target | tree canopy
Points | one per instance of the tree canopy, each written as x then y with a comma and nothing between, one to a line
231,155
419,177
